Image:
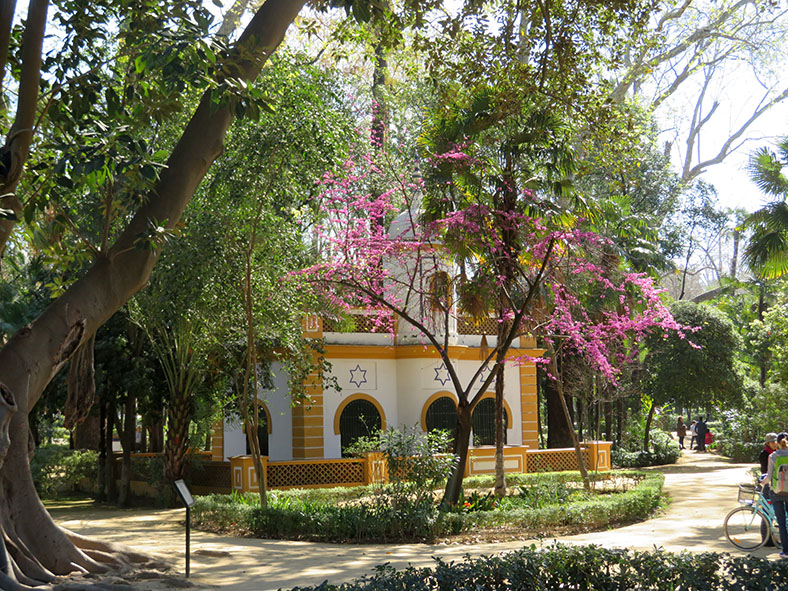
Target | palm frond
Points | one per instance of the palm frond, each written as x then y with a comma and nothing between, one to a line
766,171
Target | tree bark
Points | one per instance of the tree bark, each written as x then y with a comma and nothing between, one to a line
13,155
647,435
34,355
102,449
500,473
110,490
581,465
558,434
461,444
127,440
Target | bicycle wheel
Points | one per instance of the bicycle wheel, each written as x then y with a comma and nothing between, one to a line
743,528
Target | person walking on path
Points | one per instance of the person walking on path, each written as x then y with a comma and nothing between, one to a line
701,429
769,445
779,497
681,432
694,432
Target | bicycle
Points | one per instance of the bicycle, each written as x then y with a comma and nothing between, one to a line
745,526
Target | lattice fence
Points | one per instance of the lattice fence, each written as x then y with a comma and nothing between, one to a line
467,325
479,326
210,475
555,460
313,474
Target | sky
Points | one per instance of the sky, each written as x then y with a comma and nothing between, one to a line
731,179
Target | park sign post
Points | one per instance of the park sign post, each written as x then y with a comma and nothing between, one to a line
188,501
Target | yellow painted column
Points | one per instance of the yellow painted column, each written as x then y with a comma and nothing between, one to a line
308,439
529,406
217,441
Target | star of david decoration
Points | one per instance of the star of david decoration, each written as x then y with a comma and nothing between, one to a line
442,374
358,376
485,372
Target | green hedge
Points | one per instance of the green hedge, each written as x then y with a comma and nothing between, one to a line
738,451
587,568
58,470
378,519
601,510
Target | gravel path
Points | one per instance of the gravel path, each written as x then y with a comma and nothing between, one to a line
703,488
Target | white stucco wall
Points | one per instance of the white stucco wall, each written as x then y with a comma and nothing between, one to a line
419,379
377,378
400,386
279,404
234,440
280,440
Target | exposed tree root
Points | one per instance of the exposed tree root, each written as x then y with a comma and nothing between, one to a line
116,553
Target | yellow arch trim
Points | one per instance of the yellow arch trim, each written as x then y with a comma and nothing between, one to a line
430,400
358,396
264,407
505,405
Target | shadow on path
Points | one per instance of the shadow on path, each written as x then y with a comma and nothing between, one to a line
702,489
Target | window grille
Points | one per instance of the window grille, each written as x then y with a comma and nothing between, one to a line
359,418
484,422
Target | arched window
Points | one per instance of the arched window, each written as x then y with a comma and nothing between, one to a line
262,433
442,414
360,418
484,422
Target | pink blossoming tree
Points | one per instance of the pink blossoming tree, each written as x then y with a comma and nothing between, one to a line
382,252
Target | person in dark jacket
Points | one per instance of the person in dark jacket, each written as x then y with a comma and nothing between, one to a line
681,431
701,428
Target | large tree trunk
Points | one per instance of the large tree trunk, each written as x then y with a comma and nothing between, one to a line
39,549
88,433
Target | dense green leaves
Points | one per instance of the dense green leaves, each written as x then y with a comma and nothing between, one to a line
697,368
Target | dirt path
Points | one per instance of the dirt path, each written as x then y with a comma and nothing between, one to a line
703,488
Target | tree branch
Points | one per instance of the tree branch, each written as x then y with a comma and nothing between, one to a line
728,145
13,154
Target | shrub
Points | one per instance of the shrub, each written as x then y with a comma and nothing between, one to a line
389,518
739,451
664,451
580,567
57,470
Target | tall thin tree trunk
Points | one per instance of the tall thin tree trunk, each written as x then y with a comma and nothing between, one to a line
127,440
649,418
500,472
735,255
109,464
461,444
558,430
101,493
559,386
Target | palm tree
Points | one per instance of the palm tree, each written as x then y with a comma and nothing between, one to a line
767,250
